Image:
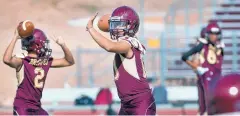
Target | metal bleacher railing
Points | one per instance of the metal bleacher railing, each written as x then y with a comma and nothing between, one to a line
170,60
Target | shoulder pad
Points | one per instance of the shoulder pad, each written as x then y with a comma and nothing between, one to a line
221,44
135,43
20,55
203,40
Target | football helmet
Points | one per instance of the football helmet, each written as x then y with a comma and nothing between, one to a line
123,21
203,33
213,28
225,95
37,43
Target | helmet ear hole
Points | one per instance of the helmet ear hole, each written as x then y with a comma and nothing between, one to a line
134,29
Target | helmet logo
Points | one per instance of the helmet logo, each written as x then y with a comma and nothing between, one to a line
115,18
215,30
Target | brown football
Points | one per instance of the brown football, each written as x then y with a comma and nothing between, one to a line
103,23
25,28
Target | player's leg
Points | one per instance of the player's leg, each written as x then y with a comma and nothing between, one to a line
201,98
146,107
151,110
15,112
27,111
122,111
19,111
206,93
41,111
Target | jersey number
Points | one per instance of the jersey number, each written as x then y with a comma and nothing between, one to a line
39,76
211,57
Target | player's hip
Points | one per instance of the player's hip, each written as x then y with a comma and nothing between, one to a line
26,103
28,111
144,107
141,100
209,76
135,96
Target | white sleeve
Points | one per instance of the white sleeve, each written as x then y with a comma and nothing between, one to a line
202,40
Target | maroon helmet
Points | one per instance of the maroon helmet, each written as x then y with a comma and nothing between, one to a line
123,19
37,43
213,28
203,33
225,95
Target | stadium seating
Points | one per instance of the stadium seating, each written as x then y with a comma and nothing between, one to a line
227,16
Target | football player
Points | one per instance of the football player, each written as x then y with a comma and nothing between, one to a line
225,95
210,52
195,60
32,70
129,73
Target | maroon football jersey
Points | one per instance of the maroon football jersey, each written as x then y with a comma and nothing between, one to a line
211,57
130,75
31,82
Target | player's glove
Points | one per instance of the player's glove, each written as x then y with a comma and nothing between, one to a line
200,70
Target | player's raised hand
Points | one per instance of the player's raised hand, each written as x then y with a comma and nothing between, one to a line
16,35
59,40
90,22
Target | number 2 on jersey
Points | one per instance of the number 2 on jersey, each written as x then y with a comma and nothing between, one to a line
39,76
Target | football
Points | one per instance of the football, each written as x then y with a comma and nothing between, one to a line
25,28
103,23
